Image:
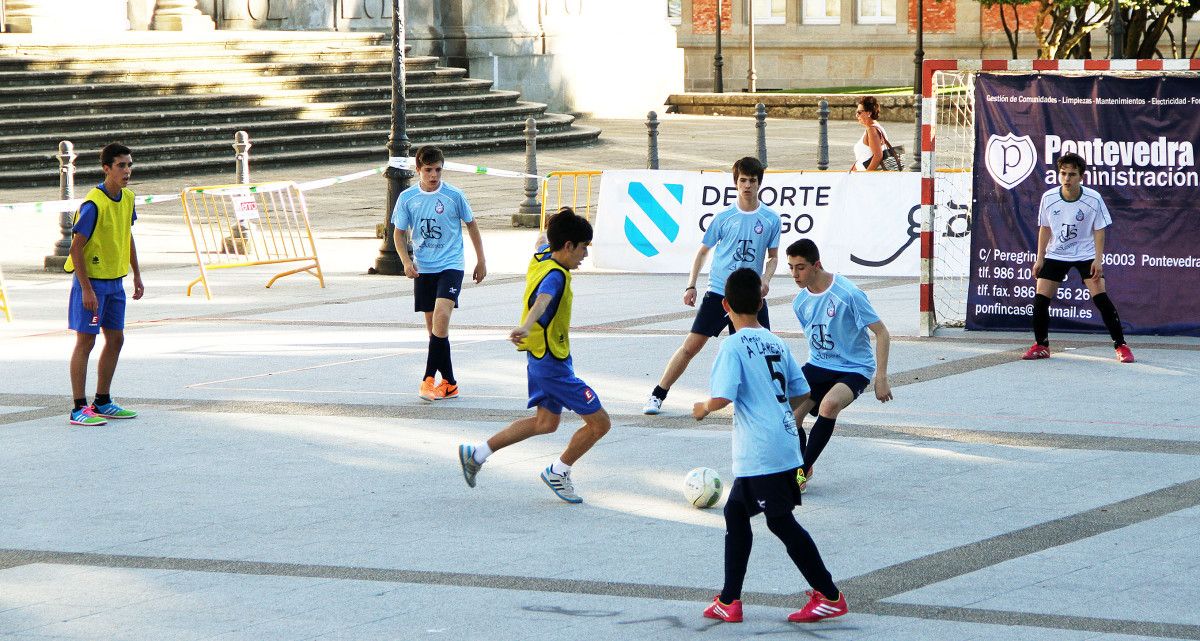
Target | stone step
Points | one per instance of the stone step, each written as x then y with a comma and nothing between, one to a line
84,102
269,66
312,113
298,75
372,151
159,43
467,122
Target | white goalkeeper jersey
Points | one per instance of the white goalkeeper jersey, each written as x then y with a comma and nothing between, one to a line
1072,222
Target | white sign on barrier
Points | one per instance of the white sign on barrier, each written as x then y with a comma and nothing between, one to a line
863,223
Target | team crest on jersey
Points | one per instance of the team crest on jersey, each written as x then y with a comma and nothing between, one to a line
1079,216
758,228
832,311
439,208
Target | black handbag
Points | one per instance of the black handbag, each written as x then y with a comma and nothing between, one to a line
893,157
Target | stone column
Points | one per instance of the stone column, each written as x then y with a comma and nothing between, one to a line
180,15
28,16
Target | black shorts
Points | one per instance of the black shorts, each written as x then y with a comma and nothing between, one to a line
772,494
822,379
1057,270
430,287
711,318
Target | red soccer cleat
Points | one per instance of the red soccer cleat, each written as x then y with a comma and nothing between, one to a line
1037,352
727,612
819,608
1124,354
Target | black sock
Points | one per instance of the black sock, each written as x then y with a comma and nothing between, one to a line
803,552
80,402
803,439
738,540
1112,320
1041,320
431,358
661,394
822,429
102,399
444,365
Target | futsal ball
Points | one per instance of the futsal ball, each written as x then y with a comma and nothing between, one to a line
702,487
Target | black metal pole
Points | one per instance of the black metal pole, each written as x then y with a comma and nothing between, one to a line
918,87
1117,30
388,262
718,62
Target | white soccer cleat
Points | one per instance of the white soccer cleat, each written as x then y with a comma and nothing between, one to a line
653,405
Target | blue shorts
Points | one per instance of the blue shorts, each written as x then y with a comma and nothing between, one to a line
110,308
711,318
822,379
429,287
556,392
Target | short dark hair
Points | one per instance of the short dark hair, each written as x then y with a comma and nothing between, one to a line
749,166
743,291
567,227
111,151
429,155
1072,159
870,104
806,249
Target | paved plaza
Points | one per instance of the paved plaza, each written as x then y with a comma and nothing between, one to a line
284,482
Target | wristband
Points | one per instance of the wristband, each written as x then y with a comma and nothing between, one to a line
687,288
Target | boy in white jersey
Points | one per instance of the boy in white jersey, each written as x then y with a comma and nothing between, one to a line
436,212
1071,223
756,372
835,316
742,235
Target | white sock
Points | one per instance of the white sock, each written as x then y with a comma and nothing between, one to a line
482,451
560,468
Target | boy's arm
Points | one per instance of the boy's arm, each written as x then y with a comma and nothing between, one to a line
539,307
700,410
1098,263
769,269
138,288
85,284
689,293
410,263
480,264
1043,242
883,344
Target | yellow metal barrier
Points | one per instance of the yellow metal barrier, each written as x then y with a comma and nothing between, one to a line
553,184
246,225
4,299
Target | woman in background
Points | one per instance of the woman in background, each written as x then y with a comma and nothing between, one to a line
868,151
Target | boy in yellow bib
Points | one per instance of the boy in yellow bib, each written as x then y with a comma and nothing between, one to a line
102,253
553,385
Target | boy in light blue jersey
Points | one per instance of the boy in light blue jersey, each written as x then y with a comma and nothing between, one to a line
756,372
835,316
744,235
435,212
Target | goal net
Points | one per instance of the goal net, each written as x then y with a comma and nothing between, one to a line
949,151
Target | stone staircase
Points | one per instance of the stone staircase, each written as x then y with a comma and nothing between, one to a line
302,97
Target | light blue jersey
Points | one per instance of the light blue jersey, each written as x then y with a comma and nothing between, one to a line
835,322
434,220
755,370
742,240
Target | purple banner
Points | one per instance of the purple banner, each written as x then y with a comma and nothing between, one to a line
1139,138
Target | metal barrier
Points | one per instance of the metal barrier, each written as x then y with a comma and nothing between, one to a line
4,299
247,225
590,181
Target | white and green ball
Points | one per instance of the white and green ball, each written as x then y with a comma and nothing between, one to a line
702,487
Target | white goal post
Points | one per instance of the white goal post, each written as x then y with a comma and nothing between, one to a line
947,157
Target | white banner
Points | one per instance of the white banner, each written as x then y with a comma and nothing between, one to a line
863,223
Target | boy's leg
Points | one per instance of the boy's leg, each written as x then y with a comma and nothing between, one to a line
837,399
542,422
595,426
114,339
739,538
79,362
439,334
803,552
692,344
1046,290
1108,312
